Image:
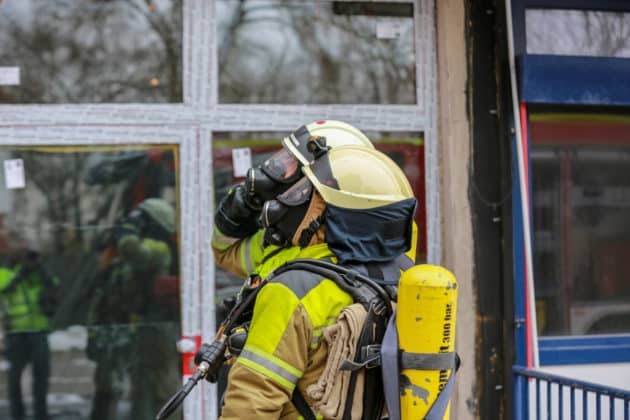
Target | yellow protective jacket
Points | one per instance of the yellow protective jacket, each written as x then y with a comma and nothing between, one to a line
284,348
239,256
21,299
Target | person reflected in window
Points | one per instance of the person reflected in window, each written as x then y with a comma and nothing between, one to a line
28,298
134,314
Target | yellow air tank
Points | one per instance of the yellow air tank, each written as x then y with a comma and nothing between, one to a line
426,314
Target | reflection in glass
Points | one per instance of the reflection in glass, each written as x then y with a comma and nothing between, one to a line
581,203
316,52
92,51
578,32
89,280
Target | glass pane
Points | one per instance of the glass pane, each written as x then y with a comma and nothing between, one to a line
316,52
578,32
89,280
91,51
581,203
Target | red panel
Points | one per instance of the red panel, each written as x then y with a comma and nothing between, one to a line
188,365
576,132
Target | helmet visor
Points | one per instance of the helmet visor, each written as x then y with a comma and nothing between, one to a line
298,194
282,166
323,172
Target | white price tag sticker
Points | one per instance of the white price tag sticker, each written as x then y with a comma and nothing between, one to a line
9,76
14,174
241,161
388,29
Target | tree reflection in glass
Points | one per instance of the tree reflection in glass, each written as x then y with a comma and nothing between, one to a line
316,52
578,32
92,51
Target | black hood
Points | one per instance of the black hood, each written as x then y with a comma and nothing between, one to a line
378,234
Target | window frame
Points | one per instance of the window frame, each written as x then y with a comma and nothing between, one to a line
191,124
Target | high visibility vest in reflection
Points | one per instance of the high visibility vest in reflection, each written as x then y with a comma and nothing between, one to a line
21,309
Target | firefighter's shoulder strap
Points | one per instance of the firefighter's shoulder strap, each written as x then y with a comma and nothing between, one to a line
372,294
301,405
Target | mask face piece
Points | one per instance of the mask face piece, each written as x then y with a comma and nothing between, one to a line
273,176
282,167
281,217
298,194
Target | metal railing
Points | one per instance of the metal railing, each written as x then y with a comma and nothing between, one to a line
544,396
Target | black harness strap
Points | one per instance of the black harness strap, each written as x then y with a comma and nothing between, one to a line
367,291
271,254
301,405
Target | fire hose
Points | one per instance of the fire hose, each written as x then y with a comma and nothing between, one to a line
210,357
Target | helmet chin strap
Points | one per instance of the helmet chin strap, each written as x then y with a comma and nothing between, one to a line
307,234
311,223
294,226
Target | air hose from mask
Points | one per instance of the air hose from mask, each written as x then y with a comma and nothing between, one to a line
212,360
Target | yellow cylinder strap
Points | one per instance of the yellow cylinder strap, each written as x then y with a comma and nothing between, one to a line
426,313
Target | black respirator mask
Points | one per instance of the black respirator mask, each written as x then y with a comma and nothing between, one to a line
281,217
279,172
272,177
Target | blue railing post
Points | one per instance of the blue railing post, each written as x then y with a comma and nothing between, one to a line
521,403
523,376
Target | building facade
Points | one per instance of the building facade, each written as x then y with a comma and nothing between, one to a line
105,104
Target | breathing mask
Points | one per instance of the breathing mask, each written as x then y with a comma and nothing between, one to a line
276,174
272,177
284,217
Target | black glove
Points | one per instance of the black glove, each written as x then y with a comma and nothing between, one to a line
237,215
214,355
236,339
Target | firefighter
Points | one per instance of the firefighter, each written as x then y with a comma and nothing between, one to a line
355,207
133,332
237,240
28,297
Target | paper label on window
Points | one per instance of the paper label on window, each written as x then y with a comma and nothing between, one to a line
14,174
388,29
241,161
9,76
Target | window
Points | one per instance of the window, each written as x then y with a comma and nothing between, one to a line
581,198
89,250
576,32
316,52
90,51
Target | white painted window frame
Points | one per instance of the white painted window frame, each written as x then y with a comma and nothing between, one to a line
191,124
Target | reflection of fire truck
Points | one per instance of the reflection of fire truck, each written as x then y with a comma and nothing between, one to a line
407,153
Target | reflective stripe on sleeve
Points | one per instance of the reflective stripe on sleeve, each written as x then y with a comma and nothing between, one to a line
270,366
247,265
221,241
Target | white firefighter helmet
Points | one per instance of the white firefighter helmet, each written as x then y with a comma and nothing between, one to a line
161,212
337,133
357,177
